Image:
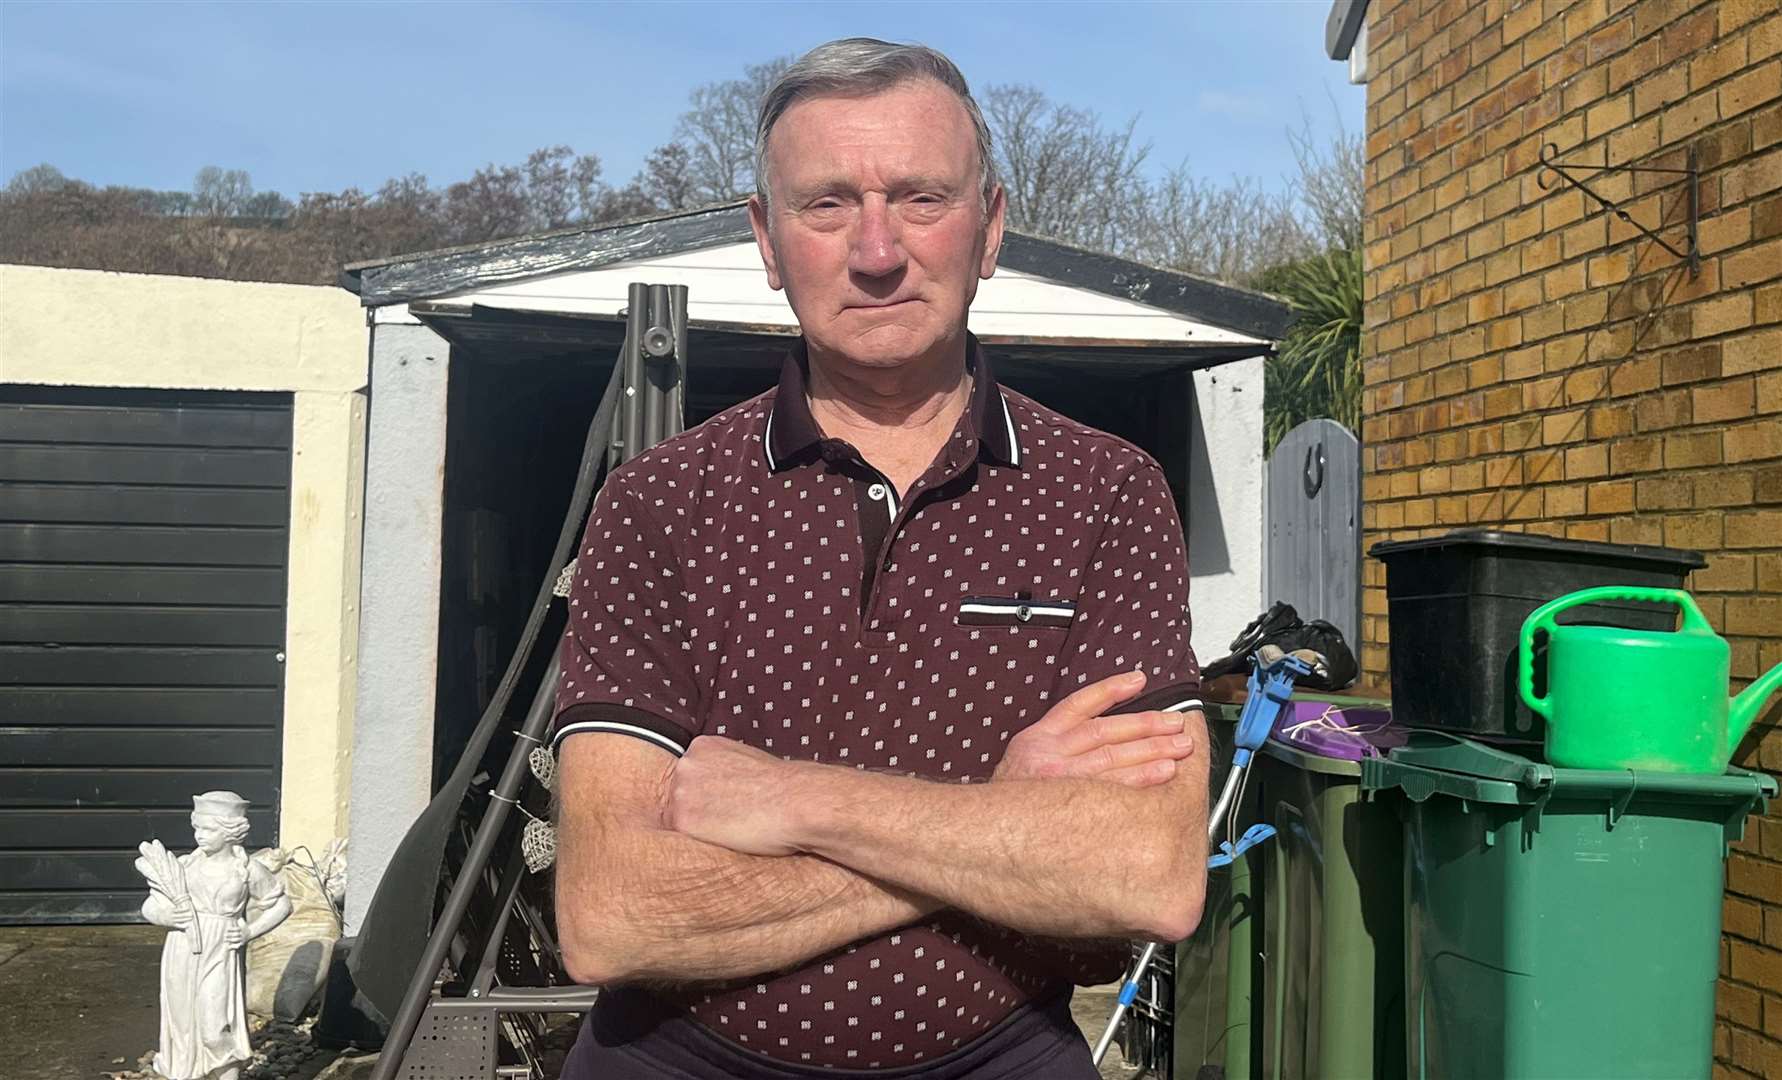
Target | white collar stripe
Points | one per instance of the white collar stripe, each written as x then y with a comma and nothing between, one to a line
1009,422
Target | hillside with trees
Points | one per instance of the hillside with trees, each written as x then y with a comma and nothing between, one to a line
1068,174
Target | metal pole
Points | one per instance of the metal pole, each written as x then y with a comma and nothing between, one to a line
615,443
620,414
482,845
677,394
656,343
636,320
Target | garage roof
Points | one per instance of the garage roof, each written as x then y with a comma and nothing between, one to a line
711,250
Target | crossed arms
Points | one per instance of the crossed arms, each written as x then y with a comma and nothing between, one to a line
731,862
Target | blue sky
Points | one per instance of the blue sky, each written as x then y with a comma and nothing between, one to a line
320,96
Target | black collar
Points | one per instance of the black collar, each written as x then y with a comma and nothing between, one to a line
791,429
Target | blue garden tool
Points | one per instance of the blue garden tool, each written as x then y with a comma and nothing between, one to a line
1270,687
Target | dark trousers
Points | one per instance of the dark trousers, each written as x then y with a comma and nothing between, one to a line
631,1036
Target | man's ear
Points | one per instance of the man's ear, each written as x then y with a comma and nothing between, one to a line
993,231
764,241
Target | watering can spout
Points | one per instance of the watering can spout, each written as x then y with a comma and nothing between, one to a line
1749,703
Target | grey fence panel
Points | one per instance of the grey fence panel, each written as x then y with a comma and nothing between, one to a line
1314,525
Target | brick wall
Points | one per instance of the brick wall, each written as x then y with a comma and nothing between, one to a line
1532,364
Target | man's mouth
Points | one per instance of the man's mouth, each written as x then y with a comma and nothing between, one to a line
880,305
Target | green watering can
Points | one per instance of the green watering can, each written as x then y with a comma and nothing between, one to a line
1638,699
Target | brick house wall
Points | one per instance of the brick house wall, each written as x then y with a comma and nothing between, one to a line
1532,364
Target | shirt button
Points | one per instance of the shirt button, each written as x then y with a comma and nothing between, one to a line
877,491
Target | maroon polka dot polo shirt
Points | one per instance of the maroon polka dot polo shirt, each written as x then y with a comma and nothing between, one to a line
753,579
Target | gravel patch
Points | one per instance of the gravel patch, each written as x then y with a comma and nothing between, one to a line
282,1051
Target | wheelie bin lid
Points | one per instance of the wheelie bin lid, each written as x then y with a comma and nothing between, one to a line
1435,763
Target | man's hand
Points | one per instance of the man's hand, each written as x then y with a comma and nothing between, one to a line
1076,739
730,794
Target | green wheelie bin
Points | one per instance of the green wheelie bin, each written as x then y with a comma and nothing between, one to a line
1559,923
1296,970
1211,998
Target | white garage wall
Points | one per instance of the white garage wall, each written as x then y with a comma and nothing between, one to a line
727,284
1225,505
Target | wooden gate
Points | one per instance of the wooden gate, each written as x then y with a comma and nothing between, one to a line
1314,526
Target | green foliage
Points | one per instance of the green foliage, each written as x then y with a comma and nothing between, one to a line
1316,370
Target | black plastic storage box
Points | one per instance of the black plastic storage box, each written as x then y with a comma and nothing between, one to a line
1455,606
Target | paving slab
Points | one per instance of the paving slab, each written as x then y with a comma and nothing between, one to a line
79,1001
83,1001
1090,1007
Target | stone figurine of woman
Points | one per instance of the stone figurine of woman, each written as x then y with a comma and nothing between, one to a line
215,900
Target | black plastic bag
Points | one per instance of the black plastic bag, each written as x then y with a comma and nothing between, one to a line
1282,627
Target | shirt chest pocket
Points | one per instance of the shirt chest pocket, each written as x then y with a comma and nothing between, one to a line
1020,611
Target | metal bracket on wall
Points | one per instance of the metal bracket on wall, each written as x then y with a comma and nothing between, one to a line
1692,255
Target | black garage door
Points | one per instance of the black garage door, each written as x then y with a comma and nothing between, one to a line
142,622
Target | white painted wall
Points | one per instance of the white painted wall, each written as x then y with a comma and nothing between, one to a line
1225,505
392,773
727,284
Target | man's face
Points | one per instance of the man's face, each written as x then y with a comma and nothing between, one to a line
877,229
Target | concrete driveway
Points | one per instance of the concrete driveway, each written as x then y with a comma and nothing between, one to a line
77,1002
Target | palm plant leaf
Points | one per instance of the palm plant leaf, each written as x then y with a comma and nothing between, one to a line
1316,371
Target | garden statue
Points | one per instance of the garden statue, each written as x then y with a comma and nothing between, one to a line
215,900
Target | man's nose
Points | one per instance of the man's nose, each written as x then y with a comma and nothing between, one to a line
877,249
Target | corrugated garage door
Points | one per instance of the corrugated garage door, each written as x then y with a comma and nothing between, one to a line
142,595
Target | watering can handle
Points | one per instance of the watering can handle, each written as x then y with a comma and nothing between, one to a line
1543,618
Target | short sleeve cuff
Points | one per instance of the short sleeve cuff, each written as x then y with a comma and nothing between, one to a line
1176,697
614,719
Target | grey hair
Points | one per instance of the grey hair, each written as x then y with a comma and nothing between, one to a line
862,65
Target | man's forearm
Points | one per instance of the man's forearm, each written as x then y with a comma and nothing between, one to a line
1073,858
689,911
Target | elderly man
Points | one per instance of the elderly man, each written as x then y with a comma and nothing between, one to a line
878,720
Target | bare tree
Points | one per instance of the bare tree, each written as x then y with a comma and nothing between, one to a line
266,206
1332,183
492,203
328,230
1065,174
1232,232
554,189
718,132
667,177
220,193
406,214
37,178
561,189
1069,176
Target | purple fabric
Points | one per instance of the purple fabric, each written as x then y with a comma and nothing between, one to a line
1348,733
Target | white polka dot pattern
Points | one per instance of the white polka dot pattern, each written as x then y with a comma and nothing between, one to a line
715,595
